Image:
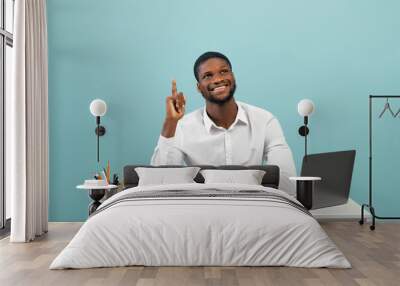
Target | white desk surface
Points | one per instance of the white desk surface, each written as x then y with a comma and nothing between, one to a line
305,178
86,187
348,211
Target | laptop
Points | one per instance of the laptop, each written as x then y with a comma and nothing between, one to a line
336,170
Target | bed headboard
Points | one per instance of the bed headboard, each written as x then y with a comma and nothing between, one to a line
270,179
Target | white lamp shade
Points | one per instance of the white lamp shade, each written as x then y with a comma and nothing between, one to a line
305,107
98,107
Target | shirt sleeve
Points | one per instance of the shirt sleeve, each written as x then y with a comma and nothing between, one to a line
277,152
168,151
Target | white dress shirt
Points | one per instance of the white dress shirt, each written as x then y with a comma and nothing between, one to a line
254,138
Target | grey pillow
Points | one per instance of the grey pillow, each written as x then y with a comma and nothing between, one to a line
249,177
162,176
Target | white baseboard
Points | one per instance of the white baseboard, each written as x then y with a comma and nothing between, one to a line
349,211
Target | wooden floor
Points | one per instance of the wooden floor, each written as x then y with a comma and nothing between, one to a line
375,257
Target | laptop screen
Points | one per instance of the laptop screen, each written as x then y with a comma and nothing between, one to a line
336,170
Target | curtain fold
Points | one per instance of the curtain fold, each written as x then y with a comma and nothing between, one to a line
28,123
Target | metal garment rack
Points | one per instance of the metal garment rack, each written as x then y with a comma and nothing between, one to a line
369,205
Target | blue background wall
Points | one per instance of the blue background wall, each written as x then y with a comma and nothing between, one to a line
127,52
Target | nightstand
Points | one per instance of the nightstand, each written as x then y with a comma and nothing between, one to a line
304,190
96,193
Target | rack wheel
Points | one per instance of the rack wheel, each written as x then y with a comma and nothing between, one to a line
361,222
372,227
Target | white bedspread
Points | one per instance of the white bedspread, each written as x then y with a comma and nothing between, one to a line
200,231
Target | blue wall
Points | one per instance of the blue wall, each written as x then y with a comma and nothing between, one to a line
126,52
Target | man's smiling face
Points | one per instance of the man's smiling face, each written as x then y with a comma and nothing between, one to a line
216,81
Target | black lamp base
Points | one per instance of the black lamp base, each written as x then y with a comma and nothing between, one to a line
100,130
303,130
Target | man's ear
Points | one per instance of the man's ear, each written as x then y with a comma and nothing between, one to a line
198,87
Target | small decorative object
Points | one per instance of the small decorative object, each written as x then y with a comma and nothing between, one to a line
98,108
95,183
305,107
115,180
104,176
108,171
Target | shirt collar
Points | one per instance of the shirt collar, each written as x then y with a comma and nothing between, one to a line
240,116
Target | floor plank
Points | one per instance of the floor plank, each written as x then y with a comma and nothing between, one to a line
374,255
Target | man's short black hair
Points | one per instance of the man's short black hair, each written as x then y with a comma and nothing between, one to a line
206,56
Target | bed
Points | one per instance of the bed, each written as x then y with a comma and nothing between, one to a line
201,224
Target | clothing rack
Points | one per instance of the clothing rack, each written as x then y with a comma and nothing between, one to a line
369,205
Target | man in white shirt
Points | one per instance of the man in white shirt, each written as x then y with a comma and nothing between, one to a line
224,132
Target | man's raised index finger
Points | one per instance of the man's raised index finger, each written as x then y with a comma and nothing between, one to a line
173,87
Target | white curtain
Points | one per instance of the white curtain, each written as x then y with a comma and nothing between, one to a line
27,123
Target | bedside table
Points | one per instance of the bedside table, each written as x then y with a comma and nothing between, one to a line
304,190
96,193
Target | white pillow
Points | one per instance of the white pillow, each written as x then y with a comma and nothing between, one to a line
162,176
249,177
